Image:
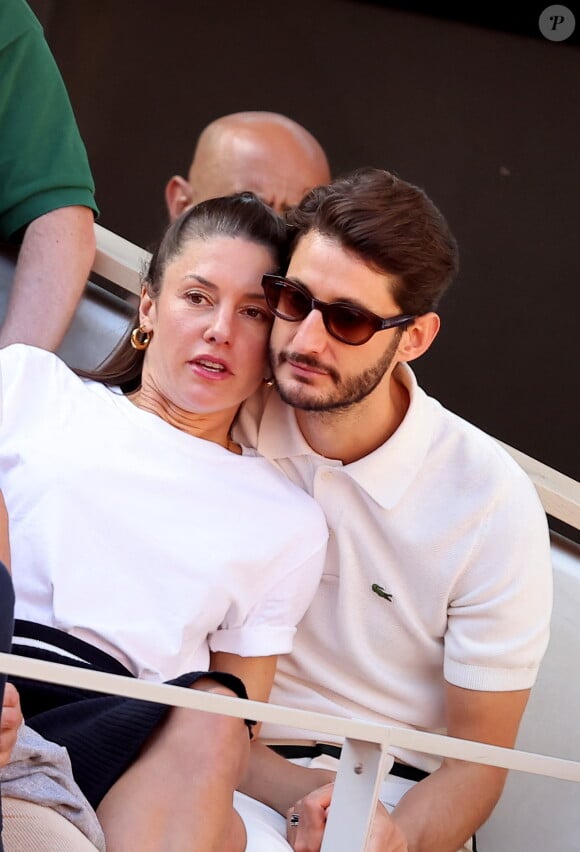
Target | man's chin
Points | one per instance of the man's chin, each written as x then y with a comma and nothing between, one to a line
298,397
305,399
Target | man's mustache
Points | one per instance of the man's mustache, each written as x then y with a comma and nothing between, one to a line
308,361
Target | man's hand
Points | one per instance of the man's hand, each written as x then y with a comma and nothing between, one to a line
10,721
306,821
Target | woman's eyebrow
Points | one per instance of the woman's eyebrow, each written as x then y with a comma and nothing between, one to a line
258,295
200,279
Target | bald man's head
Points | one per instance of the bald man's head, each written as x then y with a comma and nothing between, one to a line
262,152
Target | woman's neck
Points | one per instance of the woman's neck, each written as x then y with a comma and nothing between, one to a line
214,426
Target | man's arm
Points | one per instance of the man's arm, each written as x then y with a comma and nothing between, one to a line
53,265
46,185
277,782
440,813
288,788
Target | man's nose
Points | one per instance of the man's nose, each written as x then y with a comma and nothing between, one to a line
311,334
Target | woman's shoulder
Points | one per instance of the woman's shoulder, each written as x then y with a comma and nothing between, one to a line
20,360
35,375
23,353
285,499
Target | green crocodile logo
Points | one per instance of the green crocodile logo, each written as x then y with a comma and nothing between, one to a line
378,590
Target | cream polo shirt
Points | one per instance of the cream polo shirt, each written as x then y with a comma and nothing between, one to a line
438,568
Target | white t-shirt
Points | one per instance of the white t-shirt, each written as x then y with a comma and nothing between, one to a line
438,568
141,539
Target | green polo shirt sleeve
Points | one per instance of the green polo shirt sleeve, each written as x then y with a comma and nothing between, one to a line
43,161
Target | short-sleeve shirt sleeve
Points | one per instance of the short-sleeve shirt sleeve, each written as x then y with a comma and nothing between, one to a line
43,160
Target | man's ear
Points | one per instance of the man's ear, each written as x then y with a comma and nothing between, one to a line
177,196
419,336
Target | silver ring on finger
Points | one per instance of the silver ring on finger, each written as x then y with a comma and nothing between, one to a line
293,820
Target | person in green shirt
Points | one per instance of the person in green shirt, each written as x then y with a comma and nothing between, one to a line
47,202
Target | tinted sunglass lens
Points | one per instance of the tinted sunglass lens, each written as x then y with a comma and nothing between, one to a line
349,325
271,292
274,291
293,303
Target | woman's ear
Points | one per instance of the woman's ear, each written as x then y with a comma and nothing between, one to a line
419,336
146,310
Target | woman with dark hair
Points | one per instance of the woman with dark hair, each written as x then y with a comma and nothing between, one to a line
146,542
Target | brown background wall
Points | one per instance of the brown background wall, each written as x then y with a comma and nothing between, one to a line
485,118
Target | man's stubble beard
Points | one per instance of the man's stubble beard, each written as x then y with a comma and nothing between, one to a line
347,392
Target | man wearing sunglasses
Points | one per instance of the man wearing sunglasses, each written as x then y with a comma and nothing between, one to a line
434,608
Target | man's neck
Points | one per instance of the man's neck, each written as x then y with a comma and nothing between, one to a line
354,433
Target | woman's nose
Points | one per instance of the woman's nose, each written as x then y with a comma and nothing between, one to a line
219,329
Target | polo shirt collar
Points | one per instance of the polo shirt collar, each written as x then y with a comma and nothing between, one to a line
391,469
384,474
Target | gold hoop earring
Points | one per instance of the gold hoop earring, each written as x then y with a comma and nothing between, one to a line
268,382
140,339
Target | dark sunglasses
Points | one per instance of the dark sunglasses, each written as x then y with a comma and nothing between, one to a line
293,302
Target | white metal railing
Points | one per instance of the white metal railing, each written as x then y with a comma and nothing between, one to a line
119,260
560,494
364,753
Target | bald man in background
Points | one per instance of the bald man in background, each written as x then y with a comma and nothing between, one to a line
262,152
